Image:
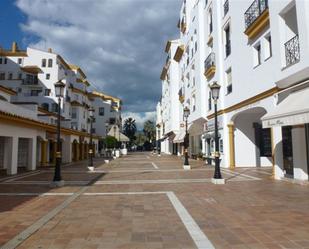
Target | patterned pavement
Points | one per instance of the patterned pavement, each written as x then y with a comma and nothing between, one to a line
145,201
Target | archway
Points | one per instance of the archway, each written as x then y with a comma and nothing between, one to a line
250,144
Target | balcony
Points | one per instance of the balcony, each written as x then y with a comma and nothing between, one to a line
210,66
30,82
179,52
183,25
181,95
228,48
256,18
163,73
292,53
226,7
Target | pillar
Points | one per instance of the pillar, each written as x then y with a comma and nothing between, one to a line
231,146
11,155
277,152
44,144
32,154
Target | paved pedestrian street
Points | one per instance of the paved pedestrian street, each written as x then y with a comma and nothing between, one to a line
145,201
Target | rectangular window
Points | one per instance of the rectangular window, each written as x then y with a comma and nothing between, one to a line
47,92
5,60
50,63
0,60
35,92
10,76
2,76
20,75
20,61
209,102
257,54
43,62
47,76
227,41
268,49
101,111
228,74
221,145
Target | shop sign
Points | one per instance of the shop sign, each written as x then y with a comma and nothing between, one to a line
211,124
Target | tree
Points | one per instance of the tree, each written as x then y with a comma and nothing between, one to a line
129,129
150,130
110,142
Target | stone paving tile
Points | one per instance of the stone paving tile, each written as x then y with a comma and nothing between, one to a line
240,214
120,221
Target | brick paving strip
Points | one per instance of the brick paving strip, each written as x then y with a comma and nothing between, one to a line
197,235
19,238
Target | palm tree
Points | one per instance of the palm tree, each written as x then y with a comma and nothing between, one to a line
129,129
149,130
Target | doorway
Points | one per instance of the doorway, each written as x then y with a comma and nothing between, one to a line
287,147
307,147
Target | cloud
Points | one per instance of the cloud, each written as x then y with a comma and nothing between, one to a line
118,43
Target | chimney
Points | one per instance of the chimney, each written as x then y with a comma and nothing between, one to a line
49,50
14,47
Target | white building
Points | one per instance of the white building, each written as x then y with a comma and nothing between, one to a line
256,50
29,110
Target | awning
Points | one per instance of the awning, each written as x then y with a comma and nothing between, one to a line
117,134
210,134
197,126
293,110
180,137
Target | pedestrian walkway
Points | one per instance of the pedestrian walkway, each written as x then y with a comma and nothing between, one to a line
146,201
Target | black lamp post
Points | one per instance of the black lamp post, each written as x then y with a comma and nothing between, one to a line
215,91
90,163
186,113
57,182
114,127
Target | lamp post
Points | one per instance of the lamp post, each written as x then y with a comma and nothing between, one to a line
186,113
90,163
215,91
57,181
114,127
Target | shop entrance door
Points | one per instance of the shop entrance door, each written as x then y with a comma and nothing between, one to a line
287,148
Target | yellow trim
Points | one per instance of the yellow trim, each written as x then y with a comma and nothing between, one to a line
44,152
248,101
179,52
231,146
63,62
163,73
210,72
104,96
210,39
7,90
168,46
258,25
31,69
181,98
13,54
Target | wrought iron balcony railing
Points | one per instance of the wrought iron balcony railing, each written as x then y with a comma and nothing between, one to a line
210,61
292,53
226,7
228,48
254,11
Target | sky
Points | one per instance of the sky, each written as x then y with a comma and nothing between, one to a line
118,43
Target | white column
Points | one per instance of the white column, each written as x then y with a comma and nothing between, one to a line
11,154
32,154
278,154
299,153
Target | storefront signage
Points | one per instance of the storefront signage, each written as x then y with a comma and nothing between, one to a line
211,124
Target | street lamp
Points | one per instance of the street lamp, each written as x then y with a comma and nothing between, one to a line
215,91
90,163
186,113
57,182
114,127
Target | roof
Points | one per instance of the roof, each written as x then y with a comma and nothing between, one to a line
7,90
78,69
105,96
31,69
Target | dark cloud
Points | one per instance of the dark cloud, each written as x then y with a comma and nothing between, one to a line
119,43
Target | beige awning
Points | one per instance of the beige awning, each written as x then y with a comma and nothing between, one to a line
180,137
117,134
293,110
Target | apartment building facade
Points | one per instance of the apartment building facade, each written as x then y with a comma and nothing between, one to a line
256,50
28,107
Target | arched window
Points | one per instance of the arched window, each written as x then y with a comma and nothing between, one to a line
50,62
